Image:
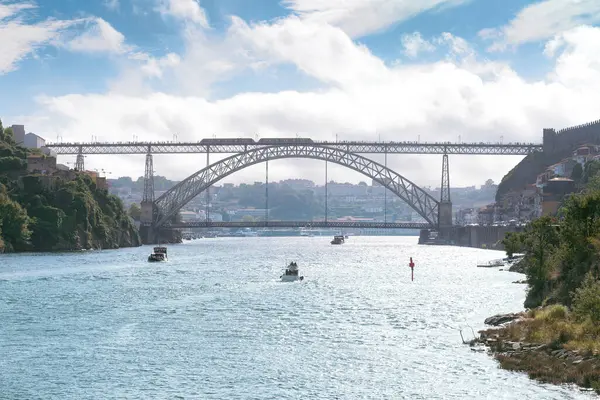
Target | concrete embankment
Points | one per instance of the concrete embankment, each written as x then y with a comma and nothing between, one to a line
481,237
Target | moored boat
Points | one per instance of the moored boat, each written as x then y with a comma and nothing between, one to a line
291,273
159,254
492,264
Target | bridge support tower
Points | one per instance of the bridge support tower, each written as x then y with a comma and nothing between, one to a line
445,231
147,206
445,207
79,162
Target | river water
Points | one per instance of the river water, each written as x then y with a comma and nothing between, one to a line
215,323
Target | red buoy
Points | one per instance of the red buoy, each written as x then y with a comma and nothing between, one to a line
412,269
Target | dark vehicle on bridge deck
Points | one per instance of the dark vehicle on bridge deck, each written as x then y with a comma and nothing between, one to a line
228,141
285,141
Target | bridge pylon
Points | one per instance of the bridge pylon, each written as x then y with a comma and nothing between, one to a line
445,206
147,206
148,196
79,162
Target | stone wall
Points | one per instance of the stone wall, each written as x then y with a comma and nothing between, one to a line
481,237
569,139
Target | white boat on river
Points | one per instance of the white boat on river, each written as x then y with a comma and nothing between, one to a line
291,273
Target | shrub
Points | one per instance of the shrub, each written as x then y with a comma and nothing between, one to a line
556,312
586,300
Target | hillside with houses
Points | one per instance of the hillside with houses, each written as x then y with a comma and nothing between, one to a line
541,182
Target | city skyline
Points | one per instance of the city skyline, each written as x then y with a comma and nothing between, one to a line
436,70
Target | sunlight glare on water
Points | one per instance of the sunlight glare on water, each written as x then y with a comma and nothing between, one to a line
215,322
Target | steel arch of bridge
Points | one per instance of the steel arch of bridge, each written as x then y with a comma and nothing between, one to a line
171,201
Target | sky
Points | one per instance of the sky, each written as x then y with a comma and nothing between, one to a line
389,70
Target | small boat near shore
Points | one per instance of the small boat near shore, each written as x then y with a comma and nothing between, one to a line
291,273
159,254
492,264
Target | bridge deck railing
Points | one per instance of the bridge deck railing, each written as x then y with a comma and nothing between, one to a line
302,224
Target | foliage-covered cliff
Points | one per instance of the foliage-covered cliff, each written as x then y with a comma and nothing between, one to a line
561,254
41,213
527,171
562,265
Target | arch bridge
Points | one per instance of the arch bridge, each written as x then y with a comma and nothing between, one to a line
157,213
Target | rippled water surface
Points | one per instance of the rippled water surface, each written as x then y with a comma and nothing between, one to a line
215,323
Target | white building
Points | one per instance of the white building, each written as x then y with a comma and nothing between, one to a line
33,141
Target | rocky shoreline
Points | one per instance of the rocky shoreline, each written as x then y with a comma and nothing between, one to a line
546,362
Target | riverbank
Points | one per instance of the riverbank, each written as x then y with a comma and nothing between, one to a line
547,344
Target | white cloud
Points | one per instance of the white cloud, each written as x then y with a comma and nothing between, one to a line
360,98
578,65
154,67
19,39
361,17
414,44
100,37
112,5
187,10
321,51
542,20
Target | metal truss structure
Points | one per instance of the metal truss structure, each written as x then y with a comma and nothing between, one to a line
445,188
303,224
148,180
170,202
231,146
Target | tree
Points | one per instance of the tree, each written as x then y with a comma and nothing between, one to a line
513,243
590,169
580,224
135,212
540,242
1,241
593,184
577,172
14,222
586,301
247,218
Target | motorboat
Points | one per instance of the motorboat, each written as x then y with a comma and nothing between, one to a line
338,239
159,254
291,273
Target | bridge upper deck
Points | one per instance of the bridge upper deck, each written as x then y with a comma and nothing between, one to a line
238,145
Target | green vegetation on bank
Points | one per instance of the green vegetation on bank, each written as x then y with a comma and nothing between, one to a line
562,265
43,213
561,253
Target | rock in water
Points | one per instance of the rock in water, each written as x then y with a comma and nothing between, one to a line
501,319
